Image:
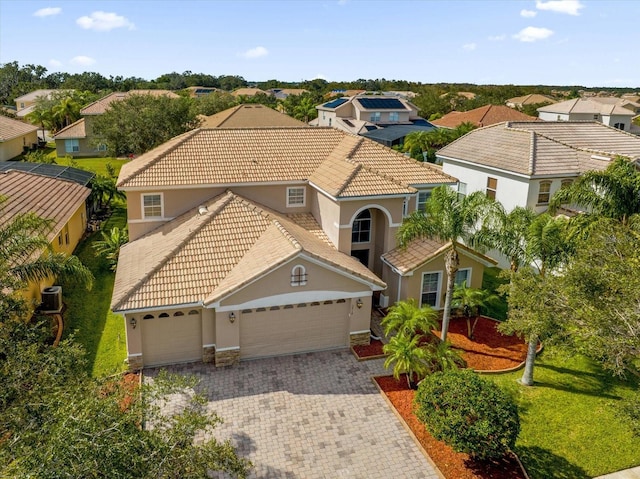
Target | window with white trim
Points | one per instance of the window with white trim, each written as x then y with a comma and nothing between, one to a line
375,116
361,230
72,145
423,197
619,126
462,189
295,196
298,275
430,289
394,116
565,184
463,275
152,206
544,192
102,147
492,187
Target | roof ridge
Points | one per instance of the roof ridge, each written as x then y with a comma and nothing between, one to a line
225,197
287,234
69,126
352,175
532,152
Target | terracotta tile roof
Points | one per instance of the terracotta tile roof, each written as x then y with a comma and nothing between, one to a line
98,107
10,128
600,106
544,148
74,130
50,198
247,92
262,155
423,250
249,116
203,255
483,116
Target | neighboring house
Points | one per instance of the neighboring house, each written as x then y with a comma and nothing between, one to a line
483,116
525,163
78,139
609,111
26,103
15,137
248,92
282,93
54,192
531,99
421,267
361,115
198,91
247,243
249,116
343,93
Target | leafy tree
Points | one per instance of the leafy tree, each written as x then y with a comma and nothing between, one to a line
41,118
613,193
139,123
469,413
39,156
548,245
424,144
405,317
448,218
213,103
110,244
470,301
104,190
57,421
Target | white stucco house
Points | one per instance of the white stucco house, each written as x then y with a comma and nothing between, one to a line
611,111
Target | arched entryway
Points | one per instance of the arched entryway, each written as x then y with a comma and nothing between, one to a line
369,230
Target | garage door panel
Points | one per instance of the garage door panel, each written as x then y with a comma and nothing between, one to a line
292,330
171,340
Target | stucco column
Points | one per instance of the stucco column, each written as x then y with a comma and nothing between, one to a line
227,333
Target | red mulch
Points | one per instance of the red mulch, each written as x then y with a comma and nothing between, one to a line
489,350
454,465
374,349
126,387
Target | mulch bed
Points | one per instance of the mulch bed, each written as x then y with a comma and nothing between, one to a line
370,351
489,351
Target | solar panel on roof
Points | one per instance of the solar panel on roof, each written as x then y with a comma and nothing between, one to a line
53,171
381,104
335,103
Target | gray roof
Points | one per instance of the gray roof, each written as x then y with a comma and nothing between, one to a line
544,148
587,106
395,132
81,177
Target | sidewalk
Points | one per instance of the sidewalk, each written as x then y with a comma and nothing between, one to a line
633,473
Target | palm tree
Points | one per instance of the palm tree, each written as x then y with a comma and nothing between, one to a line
67,111
507,233
613,193
42,118
470,301
442,357
449,218
110,245
408,357
305,110
405,317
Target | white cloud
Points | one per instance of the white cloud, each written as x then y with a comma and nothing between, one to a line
497,38
104,21
47,12
82,61
570,7
469,46
528,13
533,34
256,52
55,63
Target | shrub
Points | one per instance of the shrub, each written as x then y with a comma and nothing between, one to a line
469,413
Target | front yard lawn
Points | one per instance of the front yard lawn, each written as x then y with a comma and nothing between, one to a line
96,164
570,425
88,316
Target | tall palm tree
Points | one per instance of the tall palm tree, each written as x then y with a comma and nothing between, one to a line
613,193
41,118
110,245
66,111
449,218
405,317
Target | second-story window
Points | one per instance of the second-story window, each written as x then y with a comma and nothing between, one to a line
295,196
298,276
152,206
361,231
492,186
423,197
394,116
544,192
375,116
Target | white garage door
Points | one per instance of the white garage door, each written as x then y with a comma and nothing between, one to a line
173,339
288,330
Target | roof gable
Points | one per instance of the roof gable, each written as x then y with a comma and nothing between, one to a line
250,116
10,128
484,116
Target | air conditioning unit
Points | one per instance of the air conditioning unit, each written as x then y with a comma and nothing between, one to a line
52,299
384,301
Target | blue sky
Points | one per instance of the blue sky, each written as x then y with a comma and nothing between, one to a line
551,42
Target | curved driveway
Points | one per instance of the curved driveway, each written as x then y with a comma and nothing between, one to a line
315,415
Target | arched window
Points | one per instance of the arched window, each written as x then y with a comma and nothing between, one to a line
298,275
178,313
163,315
193,311
361,231
148,316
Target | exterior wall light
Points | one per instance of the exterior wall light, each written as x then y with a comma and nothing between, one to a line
232,317
133,322
359,303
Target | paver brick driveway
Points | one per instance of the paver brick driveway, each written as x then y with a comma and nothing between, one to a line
315,415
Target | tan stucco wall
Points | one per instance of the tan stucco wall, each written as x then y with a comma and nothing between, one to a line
86,148
326,211
380,222
14,147
360,319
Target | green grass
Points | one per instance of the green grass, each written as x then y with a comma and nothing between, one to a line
96,164
570,425
88,316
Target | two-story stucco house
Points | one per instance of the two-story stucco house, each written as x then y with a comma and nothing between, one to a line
256,242
610,111
525,163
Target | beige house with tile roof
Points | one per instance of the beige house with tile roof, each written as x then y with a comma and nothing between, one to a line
62,201
261,241
609,111
531,99
248,92
78,139
15,136
249,116
525,163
